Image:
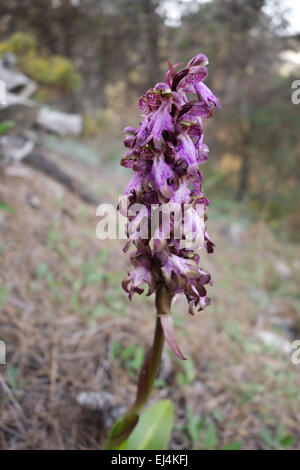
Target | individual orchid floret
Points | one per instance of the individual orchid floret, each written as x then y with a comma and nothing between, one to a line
139,275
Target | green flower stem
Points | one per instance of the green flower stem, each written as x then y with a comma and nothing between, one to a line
125,424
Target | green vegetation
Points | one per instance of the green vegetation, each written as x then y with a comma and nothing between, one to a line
203,433
46,69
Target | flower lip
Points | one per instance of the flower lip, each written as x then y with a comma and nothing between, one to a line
167,324
205,94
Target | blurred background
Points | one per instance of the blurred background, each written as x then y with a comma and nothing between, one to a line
73,71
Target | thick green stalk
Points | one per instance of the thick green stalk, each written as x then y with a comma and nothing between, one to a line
125,424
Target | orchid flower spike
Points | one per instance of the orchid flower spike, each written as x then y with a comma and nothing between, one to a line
165,153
